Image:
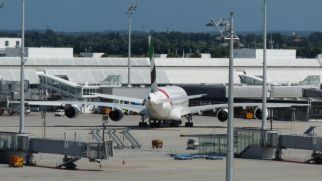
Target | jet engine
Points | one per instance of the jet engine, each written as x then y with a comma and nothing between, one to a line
258,113
72,111
222,115
116,114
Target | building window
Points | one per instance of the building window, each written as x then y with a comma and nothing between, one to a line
17,43
6,43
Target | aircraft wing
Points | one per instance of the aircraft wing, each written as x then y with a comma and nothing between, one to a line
44,103
134,108
197,109
121,98
183,98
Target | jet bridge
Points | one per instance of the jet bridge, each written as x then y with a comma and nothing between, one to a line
72,150
65,87
307,141
255,143
303,142
265,144
14,144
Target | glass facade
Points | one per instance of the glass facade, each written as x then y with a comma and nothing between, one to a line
250,81
89,91
316,110
12,141
247,138
216,144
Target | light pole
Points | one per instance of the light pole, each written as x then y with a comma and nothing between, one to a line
22,70
226,29
264,107
130,12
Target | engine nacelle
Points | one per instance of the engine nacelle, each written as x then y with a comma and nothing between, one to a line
116,114
258,113
72,111
222,115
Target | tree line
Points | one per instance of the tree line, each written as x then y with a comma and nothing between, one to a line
175,44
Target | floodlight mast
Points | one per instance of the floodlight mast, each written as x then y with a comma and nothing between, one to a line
264,107
130,12
22,70
225,27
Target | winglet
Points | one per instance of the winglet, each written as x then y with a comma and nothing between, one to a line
154,85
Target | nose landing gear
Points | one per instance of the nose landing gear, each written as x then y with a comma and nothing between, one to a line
143,123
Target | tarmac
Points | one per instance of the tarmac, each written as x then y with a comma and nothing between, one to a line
156,164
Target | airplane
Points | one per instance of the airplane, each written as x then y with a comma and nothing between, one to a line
168,104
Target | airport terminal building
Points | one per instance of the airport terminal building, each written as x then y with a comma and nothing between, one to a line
59,74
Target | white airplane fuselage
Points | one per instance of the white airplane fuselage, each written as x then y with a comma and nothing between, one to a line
159,109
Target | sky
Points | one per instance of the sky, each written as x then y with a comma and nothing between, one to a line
161,15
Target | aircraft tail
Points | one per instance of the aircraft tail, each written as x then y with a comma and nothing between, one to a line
154,85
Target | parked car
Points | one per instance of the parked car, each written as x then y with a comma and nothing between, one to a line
192,144
17,110
27,111
60,112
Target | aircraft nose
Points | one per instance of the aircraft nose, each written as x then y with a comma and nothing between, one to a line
152,99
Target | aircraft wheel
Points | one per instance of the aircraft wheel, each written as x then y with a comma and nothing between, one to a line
152,125
173,124
177,124
186,124
71,166
158,124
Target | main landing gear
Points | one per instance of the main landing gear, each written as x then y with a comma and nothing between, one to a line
159,123
165,123
189,119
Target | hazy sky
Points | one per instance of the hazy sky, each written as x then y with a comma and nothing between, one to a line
160,15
